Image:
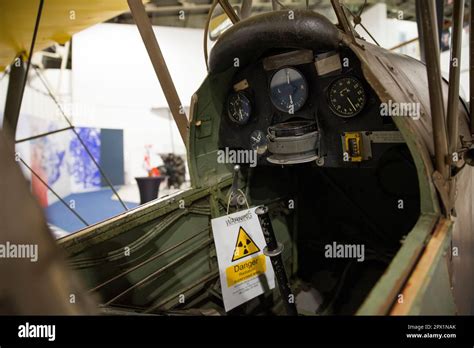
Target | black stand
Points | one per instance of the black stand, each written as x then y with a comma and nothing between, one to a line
149,187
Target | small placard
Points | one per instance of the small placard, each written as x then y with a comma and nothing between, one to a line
328,63
244,270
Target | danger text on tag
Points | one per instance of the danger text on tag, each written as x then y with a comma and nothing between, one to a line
245,270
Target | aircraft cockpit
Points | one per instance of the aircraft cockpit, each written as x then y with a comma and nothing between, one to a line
326,177
296,96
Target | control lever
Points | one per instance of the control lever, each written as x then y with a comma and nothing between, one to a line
235,196
274,250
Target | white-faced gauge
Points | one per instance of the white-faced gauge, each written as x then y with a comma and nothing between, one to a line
288,90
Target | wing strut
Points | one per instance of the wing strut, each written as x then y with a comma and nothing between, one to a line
159,64
454,76
17,83
471,66
431,44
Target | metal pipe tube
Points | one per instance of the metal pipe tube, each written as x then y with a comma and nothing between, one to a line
160,271
471,65
143,263
229,10
273,250
157,60
17,83
431,44
454,75
198,282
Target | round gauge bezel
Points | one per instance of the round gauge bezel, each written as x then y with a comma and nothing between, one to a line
330,104
278,107
229,115
262,148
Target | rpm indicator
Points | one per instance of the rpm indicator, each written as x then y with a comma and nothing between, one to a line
346,97
239,108
288,90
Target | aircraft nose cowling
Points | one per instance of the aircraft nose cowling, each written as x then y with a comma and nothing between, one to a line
247,39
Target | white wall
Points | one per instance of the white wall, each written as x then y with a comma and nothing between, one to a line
3,94
445,58
114,81
388,32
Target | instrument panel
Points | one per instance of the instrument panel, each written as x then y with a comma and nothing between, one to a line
328,89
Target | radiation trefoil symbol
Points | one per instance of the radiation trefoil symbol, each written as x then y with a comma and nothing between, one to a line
244,246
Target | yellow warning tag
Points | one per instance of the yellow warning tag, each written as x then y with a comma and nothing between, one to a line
245,270
245,246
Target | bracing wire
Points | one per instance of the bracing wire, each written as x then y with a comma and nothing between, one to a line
50,93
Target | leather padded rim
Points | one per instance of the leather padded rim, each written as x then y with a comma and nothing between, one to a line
250,38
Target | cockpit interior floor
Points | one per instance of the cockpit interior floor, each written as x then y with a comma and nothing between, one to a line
367,211
345,291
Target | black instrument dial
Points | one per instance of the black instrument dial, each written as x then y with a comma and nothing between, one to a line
288,90
346,97
239,108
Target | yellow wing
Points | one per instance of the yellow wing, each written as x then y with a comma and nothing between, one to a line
59,21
